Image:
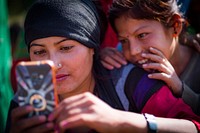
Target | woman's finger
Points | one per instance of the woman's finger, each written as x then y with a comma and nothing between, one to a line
64,104
26,123
42,128
20,112
75,108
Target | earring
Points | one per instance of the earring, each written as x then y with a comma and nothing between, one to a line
59,65
175,32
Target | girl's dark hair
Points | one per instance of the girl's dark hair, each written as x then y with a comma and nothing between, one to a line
159,10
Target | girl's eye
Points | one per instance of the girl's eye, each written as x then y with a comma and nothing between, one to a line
66,48
39,52
124,41
143,35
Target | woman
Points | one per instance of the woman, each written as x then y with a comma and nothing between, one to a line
156,48
68,33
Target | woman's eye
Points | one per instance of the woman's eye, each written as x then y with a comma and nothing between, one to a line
39,52
141,36
66,48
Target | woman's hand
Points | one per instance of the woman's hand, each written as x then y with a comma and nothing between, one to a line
162,70
86,110
20,123
111,58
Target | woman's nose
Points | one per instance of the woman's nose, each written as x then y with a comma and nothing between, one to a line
56,61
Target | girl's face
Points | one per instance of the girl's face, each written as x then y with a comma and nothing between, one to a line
76,61
137,36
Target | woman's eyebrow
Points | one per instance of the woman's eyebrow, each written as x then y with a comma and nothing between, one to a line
65,39
34,44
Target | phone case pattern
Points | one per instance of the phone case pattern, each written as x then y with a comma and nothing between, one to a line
36,88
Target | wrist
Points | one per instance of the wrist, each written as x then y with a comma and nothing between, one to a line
178,89
182,87
151,123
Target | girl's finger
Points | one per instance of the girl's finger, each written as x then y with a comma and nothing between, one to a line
154,57
107,65
160,76
156,51
112,61
157,67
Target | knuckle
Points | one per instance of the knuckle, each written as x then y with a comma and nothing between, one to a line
87,94
83,118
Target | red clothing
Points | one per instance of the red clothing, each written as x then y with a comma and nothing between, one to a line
110,39
106,5
164,104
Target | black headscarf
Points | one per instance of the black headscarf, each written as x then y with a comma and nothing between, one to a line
74,19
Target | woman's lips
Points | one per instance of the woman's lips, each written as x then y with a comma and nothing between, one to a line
61,77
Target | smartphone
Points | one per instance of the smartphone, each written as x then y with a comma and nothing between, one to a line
36,86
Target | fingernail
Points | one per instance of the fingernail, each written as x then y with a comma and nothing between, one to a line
63,124
111,68
143,54
124,62
144,65
118,66
151,48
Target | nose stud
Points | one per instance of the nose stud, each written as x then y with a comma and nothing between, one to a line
138,50
59,65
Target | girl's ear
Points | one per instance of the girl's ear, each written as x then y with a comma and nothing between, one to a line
176,23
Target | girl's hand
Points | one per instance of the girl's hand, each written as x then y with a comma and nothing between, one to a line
20,123
85,110
111,58
162,70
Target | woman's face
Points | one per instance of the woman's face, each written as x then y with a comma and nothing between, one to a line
76,59
137,36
